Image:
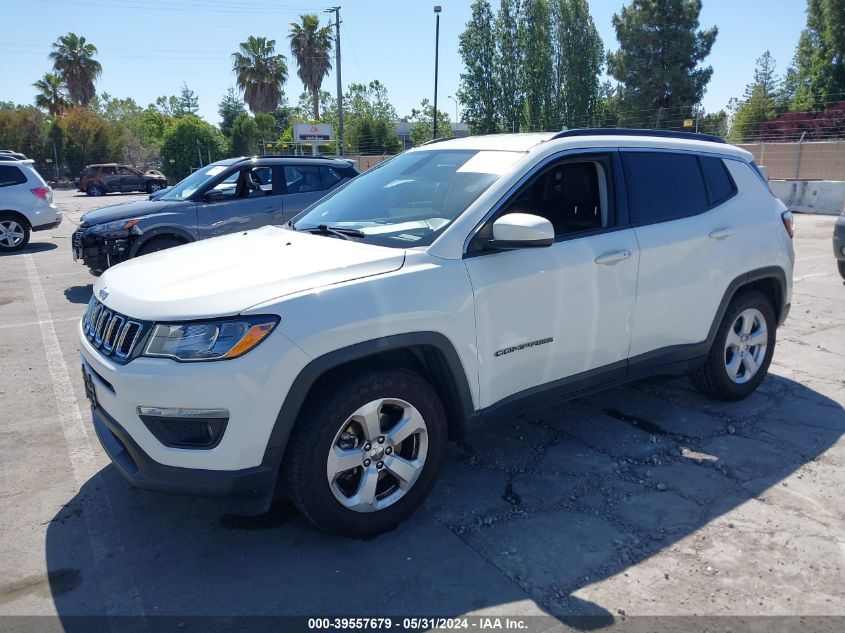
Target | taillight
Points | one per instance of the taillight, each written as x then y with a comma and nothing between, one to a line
786,216
45,193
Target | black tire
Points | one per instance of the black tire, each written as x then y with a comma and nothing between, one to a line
154,185
712,378
14,221
95,190
841,265
304,476
159,244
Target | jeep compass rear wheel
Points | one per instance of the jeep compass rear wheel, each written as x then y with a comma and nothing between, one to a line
366,453
740,356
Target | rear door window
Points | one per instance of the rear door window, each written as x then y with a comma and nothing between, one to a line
302,178
331,177
663,186
11,175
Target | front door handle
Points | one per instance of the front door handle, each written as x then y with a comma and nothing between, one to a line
613,257
720,234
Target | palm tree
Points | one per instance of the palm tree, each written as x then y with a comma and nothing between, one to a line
260,73
73,59
311,46
52,95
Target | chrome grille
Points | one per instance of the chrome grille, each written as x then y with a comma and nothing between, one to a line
113,334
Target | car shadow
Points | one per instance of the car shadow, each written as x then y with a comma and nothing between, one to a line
114,194
79,294
540,508
32,247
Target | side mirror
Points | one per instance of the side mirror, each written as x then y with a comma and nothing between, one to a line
521,230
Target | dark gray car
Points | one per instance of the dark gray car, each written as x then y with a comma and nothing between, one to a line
230,195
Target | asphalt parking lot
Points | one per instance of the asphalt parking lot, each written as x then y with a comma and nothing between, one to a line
644,500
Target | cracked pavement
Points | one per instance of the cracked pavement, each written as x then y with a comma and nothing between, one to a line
644,500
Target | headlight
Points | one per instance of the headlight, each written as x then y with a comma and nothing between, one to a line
118,226
209,340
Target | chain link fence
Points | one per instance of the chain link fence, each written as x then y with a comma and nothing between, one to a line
812,160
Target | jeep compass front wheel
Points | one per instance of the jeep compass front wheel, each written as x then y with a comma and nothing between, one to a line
743,348
365,453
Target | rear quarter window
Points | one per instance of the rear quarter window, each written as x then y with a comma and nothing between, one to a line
663,186
720,185
11,175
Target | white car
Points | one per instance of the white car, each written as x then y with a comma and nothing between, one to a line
26,204
328,361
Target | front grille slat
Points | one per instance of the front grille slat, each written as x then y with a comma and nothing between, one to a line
111,333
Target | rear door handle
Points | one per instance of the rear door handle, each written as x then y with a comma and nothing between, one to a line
720,234
613,257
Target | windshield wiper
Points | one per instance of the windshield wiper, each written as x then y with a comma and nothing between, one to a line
337,231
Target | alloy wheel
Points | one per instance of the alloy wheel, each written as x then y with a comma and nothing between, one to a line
377,455
745,346
12,233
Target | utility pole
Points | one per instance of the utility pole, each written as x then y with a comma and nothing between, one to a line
340,147
436,53
199,152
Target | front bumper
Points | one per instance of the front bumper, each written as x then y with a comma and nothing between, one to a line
99,252
251,388
839,238
249,491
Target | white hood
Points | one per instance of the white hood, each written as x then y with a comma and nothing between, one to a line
225,275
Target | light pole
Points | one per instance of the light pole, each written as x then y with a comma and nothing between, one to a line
436,53
340,147
456,106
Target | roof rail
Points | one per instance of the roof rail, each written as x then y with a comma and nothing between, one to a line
621,131
439,139
319,156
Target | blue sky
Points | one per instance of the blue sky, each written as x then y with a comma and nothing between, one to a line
149,47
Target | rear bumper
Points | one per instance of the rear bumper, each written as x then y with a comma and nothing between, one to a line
839,238
249,491
49,225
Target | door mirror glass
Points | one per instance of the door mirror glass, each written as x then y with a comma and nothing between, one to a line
521,230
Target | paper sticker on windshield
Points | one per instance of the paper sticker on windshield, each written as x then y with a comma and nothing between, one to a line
490,162
215,170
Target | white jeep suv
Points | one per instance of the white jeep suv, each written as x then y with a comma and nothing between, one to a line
329,360
26,204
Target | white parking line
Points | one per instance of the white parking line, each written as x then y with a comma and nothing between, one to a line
117,585
803,277
6,326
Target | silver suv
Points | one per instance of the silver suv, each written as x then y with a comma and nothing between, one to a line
26,205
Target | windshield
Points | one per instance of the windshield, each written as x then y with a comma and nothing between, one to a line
411,199
184,188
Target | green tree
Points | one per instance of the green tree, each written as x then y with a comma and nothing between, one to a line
423,120
260,73
478,92
229,108
113,109
370,119
52,95
73,60
24,128
578,60
536,70
168,106
311,45
817,77
759,103
189,103
715,123
658,61
188,142
87,139
244,136
507,73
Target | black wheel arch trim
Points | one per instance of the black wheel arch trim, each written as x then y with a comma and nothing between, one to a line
456,382
159,231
